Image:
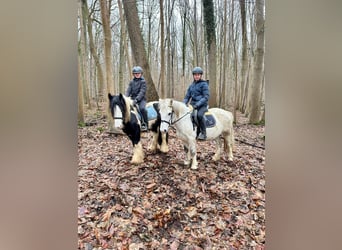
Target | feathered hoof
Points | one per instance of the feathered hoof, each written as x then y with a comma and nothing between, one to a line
194,166
186,163
136,162
164,149
152,148
216,157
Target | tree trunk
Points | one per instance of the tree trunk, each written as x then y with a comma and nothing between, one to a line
209,21
255,107
225,58
138,48
83,51
244,59
108,57
100,90
80,93
162,51
196,53
124,43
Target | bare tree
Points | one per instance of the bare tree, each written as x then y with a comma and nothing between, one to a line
255,100
105,13
83,56
101,90
138,47
162,50
209,22
244,59
80,93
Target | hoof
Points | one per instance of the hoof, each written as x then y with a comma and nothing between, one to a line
186,163
194,167
216,158
164,149
136,162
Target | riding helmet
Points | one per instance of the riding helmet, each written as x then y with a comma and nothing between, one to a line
197,70
137,69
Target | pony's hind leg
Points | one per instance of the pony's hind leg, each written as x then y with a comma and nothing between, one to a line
228,145
154,144
217,155
138,154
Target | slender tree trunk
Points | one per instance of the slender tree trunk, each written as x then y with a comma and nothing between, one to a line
162,50
196,53
244,59
83,51
80,93
236,87
230,85
225,57
209,21
122,48
138,48
254,116
100,89
124,42
108,57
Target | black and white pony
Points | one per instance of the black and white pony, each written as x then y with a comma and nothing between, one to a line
177,114
127,117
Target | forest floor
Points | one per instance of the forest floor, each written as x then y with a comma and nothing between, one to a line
162,204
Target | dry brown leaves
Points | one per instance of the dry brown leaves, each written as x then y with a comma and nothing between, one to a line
162,204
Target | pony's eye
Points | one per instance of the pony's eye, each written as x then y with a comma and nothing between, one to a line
169,113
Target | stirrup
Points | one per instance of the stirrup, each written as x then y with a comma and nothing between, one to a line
143,127
202,137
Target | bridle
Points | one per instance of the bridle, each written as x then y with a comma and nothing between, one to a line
170,122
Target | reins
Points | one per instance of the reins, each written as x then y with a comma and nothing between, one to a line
170,123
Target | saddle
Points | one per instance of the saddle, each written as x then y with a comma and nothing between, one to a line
151,113
209,119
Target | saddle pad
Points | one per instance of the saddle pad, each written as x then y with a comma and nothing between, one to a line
210,120
151,113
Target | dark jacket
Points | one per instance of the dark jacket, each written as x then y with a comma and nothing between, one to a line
137,89
198,92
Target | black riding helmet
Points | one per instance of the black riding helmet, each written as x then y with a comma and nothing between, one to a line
197,70
137,69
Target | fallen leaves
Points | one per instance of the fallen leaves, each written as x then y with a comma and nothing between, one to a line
162,204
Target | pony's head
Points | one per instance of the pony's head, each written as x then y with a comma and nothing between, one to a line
120,103
166,113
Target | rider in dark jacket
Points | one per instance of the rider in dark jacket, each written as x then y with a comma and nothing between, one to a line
137,91
198,95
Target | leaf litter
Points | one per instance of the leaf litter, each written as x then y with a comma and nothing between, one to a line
162,204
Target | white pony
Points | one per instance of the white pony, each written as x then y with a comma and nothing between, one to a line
177,114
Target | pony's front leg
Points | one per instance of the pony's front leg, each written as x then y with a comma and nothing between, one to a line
154,144
138,154
217,155
164,147
188,157
193,155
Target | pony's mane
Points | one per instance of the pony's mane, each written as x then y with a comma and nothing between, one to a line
128,103
179,107
124,104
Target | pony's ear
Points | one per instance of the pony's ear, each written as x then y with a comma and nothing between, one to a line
121,98
110,97
171,101
156,106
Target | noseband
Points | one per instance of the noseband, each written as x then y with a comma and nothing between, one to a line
170,123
